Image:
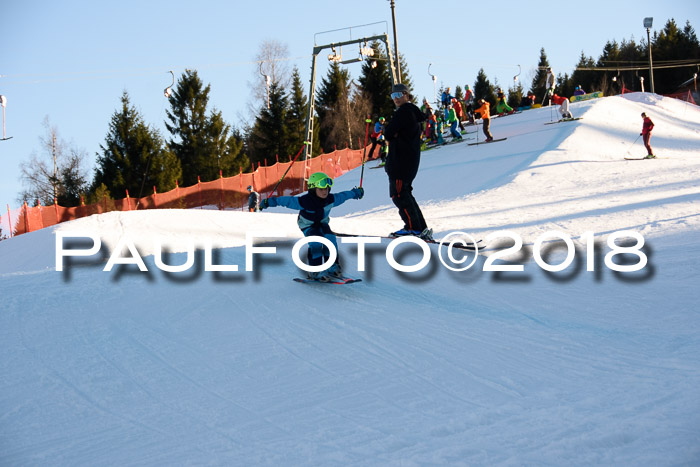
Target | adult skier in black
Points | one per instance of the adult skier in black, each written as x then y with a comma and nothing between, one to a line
402,162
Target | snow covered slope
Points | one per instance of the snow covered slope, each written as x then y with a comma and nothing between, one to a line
436,367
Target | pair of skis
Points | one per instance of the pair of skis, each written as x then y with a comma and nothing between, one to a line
487,142
564,120
335,280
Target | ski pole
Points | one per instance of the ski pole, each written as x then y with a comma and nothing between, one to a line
364,153
288,169
628,149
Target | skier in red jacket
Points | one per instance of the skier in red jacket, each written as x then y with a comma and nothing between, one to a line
646,135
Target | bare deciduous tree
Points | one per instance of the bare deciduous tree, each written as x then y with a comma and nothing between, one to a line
57,172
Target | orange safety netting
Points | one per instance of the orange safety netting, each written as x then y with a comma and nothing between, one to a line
224,193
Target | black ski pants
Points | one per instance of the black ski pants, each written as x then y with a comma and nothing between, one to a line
401,193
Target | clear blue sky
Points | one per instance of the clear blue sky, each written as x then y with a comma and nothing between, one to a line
71,60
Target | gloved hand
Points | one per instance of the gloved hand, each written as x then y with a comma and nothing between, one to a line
358,192
268,203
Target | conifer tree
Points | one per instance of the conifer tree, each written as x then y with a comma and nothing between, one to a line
515,95
133,156
588,80
483,89
204,144
269,134
406,74
376,82
333,89
296,118
539,85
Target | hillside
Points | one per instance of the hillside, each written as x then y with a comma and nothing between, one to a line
576,367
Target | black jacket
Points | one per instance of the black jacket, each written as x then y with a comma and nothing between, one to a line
403,133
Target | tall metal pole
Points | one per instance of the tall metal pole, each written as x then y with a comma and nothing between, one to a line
55,179
651,68
396,44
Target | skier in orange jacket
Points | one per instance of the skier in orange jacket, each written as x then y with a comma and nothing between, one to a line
484,110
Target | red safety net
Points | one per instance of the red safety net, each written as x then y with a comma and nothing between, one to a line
686,96
224,193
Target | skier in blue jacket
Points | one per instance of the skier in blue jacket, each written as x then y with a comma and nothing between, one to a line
314,210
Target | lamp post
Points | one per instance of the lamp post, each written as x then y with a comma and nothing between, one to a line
396,44
647,24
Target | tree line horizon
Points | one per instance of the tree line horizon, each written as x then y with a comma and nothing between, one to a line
200,145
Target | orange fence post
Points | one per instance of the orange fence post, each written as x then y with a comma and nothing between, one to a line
26,218
41,216
221,183
155,198
9,219
199,191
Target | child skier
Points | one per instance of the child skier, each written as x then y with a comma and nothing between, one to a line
314,209
253,200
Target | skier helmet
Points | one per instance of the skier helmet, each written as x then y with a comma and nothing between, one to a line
250,188
319,180
381,119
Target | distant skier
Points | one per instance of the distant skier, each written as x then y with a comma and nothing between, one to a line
502,107
484,111
453,121
253,200
527,101
647,126
314,210
469,103
376,133
550,83
563,104
446,97
459,112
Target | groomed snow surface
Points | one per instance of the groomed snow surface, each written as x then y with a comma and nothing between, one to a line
434,367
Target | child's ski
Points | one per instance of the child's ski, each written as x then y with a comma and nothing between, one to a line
338,281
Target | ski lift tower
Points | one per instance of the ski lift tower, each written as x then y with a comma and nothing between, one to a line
337,57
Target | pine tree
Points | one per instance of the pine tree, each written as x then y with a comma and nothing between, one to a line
333,89
588,80
203,144
539,84
515,95
133,156
376,83
406,73
296,118
483,89
269,136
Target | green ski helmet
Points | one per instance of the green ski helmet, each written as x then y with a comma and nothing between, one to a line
319,180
